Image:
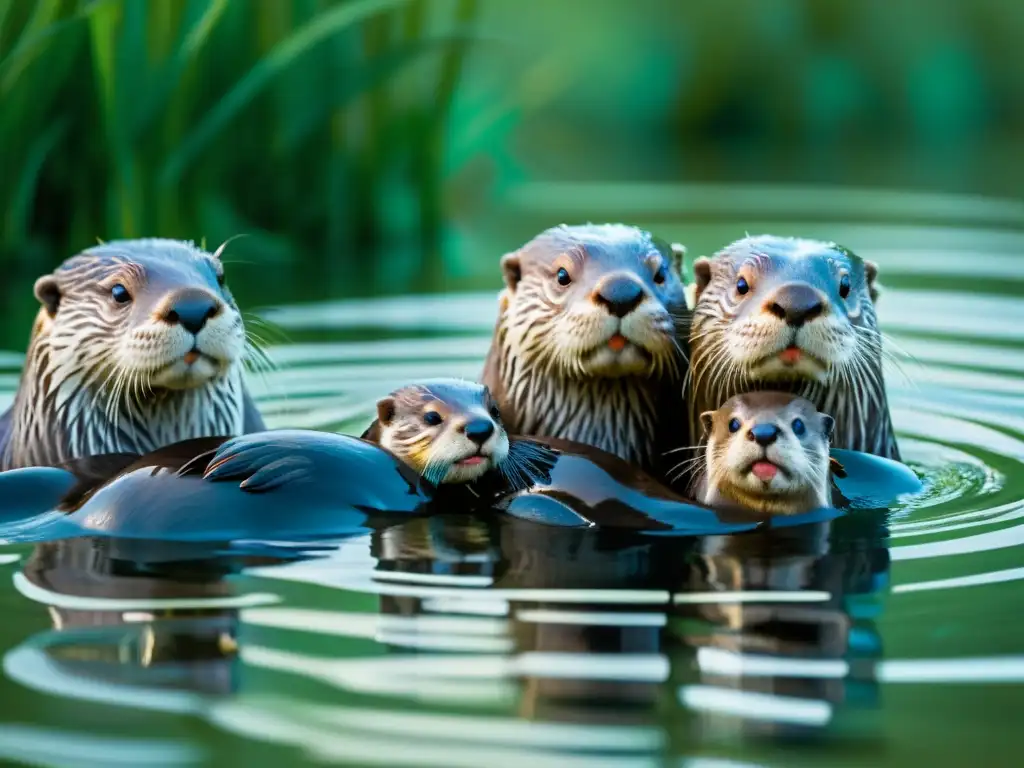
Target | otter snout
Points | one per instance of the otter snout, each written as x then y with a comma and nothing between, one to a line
478,430
619,294
796,304
763,434
190,308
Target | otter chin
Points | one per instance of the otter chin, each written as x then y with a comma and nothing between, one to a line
447,430
586,346
795,315
137,344
767,452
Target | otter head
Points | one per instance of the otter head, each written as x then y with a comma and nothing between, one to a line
768,451
141,315
448,430
784,308
593,301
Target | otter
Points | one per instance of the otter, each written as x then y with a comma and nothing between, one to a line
796,315
588,345
449,431
767,452
138,344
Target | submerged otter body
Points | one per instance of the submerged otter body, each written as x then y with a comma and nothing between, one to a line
287,483
301,484
587,345
794,315
766,452
138,344
284,484
438,426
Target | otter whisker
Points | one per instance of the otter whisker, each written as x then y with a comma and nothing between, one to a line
682,448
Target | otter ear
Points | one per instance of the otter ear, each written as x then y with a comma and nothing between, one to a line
871,278
707,421
678,251
701,275
510,269
48,293
828,424
385,410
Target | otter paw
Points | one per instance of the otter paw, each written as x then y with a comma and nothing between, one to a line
258,467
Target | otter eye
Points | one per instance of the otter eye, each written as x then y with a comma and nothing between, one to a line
742,287
120,294
433,418
495,413
799,427
844,286
563,276
734,425
659,276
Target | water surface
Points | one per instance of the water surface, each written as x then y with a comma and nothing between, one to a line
878,639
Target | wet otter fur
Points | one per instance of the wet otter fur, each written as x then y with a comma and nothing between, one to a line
587,347
138,344
795,315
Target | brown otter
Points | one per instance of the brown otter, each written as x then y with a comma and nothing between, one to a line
766,452
138,344
796,315
586,345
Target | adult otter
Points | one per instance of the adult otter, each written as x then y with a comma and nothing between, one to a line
585,346
797,315
138,344
766,452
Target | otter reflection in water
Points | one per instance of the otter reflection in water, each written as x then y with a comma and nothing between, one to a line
719,636
142,624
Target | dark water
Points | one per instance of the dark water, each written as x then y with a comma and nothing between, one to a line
878,639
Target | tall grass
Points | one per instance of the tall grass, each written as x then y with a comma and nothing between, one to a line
296,122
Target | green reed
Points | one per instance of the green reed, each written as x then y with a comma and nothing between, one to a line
292,122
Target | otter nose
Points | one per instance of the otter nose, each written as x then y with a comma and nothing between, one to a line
191,309
479,430
763,434
620,295
796,303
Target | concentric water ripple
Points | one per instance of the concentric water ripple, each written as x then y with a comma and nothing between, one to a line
468,642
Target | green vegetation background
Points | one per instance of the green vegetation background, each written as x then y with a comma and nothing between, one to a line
365,145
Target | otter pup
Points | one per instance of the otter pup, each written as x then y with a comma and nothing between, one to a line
138,344
767,452
795,315
586,348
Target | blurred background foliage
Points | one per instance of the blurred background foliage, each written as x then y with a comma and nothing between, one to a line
395,145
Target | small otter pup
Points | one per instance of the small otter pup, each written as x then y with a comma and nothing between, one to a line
767,452
450,432
586,346
795,315
138,344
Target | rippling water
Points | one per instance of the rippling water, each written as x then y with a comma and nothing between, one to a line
875,639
